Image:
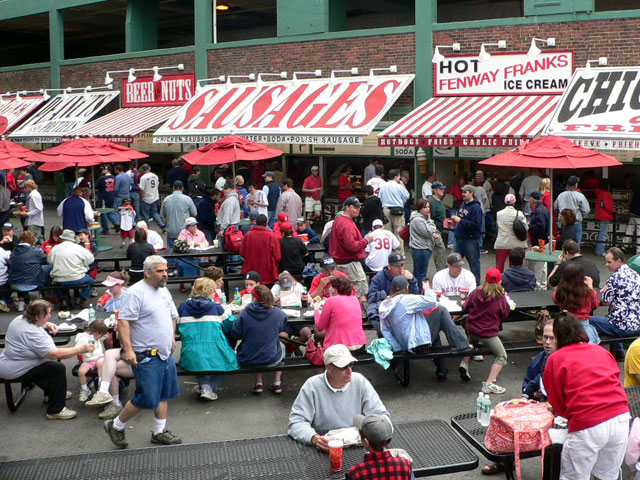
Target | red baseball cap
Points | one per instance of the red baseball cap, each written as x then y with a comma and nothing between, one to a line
493,276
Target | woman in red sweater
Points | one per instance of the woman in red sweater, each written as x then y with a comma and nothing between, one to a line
575,293
582,382
604,213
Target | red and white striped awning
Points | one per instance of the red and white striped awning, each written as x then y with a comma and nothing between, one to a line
499,121
124,124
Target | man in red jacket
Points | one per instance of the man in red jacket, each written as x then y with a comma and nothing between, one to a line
604,214
261,251
347,247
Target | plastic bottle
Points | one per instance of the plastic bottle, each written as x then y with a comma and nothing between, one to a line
486,408
479,403
223,298
92,313
237,299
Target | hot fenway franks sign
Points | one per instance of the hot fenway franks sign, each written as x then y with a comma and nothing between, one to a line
601,112
61,115
503,74
169,90
316,111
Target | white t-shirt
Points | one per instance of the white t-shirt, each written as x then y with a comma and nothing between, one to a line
450,287
376,183
426,190
84,338
5,255
297,288
378,250
26,345
150,312
260,197
149,184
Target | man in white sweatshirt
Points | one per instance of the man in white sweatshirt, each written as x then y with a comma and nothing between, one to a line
332,399
70,263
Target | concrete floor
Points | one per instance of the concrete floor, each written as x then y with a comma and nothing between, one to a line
239,414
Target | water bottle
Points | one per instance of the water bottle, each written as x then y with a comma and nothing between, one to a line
486,408
223,298
479,402
237,299
92,314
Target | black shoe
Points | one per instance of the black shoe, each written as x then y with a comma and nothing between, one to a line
116,436
80,302
165,438
117,228
619,355
441,376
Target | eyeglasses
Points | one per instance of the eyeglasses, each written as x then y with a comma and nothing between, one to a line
344,368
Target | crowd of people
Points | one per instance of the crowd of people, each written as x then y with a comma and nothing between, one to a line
362,277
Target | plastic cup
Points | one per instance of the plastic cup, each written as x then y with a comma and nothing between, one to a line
541,244
464,293
87,245
336,449
117,315
47,249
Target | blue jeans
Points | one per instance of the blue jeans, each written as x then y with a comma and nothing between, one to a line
578,226
113,217
603,325
86,280
469,250
272,218
170,242
156,381
187,270
602,236
150,210
420,264
482,230
439,320
135,202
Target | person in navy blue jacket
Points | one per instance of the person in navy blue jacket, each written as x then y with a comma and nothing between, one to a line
468,230
260,326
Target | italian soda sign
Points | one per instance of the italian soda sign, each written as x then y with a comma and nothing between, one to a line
169,90
504,74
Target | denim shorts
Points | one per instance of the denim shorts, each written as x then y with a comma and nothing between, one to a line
156,381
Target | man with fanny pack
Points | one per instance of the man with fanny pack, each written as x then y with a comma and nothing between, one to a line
146,329
393,194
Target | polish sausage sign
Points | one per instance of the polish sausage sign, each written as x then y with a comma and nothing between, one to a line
601,110
315,111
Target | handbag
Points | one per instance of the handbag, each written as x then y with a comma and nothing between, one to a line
314,353
543,316
396,211
519,426
405,233
519,228
180,246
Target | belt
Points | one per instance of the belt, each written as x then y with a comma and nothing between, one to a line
151,352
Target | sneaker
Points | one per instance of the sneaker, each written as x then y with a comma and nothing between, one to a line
257,388
208,394
116,436
84,395
183,289
467,349
483,251
165,438
477,358
64,414
110,411
100,399
492,388
94,292
277,389
4,307
464,371
173,273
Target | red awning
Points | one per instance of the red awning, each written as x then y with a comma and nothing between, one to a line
124,124
472,121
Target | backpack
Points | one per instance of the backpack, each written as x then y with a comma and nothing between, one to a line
519,228
180,246
233,239
519,426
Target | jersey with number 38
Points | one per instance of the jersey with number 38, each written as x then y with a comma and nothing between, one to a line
378,250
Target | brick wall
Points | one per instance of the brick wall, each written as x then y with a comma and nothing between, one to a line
33,79
614,39
338,54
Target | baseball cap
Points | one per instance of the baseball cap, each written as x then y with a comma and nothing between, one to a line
178,184
438,184
375,428
493,275
479,176
7,226
467,188
573,180
315,167
377,223
283,217
327,262
300,220
112,281
455,260
399,282
338,355
509,199
352,201
190,221
284,226
82,230
285,283
268,174
535,195
396,258
252,275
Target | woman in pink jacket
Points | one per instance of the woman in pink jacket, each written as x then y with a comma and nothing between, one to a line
341,318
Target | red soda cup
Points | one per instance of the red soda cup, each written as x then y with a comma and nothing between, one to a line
336,449
87,245
102,301
47,249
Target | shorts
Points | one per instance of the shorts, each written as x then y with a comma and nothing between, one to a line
311,205
597,450
126,234
356,274
93,364
156,381
495,345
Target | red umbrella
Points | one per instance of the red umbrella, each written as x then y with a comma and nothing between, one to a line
552,152
12,155
229,150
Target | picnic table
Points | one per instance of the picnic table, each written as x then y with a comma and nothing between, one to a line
434,446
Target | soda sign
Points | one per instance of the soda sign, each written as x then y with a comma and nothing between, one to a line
169,90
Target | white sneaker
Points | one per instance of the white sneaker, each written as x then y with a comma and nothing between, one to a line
110,411
477,358
492,388
464,371
64,414
208,394
84,395
4,307
94,292
100,399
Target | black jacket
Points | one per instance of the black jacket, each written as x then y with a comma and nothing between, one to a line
590,270
372,210
293,252
539,224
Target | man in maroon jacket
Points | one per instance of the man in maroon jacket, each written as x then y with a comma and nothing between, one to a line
261,251
347,247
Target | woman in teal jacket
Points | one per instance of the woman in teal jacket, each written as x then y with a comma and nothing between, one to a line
203,326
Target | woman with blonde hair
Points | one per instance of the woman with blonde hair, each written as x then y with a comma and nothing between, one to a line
545,191
203,326
242,194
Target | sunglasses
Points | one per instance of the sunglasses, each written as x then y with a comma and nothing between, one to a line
345,367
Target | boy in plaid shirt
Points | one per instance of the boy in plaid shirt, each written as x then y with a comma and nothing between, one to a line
379,463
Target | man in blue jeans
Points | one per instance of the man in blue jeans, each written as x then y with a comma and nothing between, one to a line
70,263
468,230
622,294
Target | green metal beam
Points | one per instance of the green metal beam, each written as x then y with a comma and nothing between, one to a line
22,8
337,15
203,35
426,15
56,45
141,26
